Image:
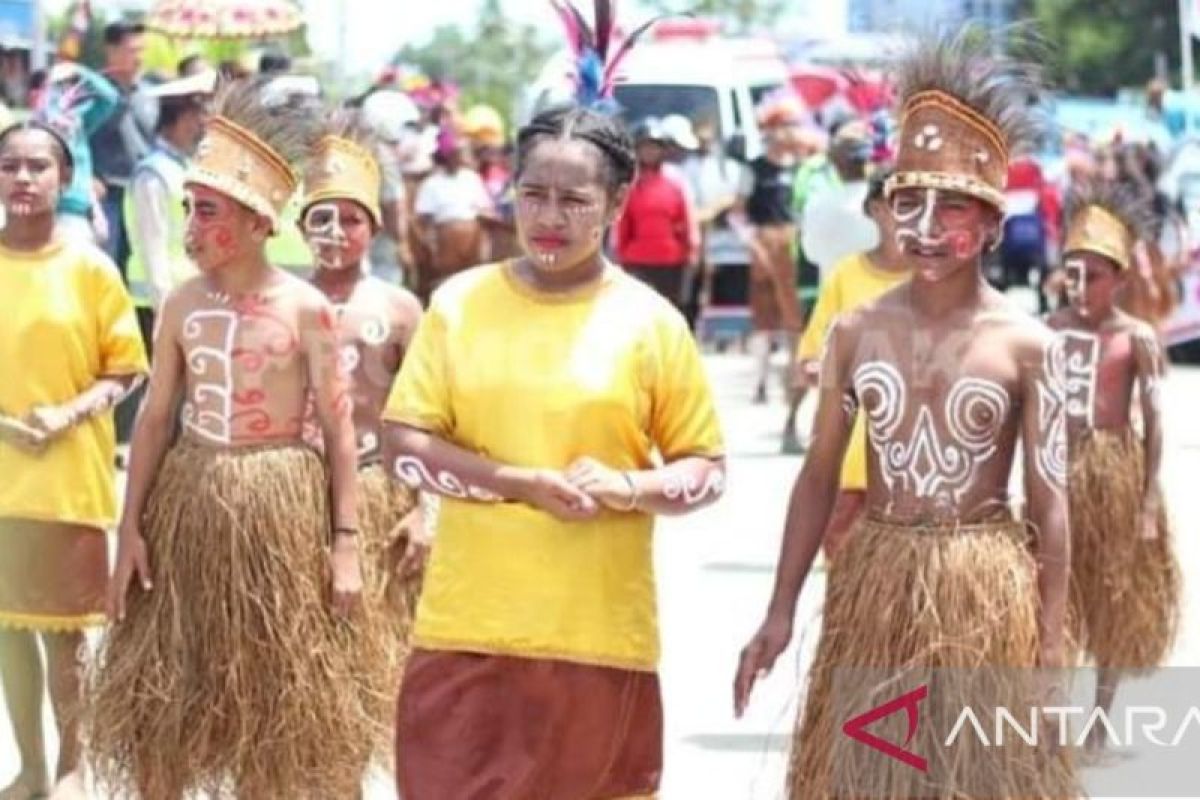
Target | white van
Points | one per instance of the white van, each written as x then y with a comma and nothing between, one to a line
706,78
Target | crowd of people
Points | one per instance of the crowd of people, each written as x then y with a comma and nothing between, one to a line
337,486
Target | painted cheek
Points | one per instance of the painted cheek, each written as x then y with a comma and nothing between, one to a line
223,238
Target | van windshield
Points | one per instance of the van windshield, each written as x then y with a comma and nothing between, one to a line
697,103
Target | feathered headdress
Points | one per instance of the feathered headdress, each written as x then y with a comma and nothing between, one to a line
251,149
964,110
1107,218
344,166
595,61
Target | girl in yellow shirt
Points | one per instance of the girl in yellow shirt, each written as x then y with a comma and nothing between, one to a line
854,282
557,405
69,351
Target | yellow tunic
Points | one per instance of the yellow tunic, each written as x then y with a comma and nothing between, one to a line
67,321
854,282
610,372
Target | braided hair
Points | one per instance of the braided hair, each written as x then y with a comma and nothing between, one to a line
605,133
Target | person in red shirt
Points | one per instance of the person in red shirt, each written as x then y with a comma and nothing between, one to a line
655,237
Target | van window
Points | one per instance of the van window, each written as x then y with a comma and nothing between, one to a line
758,91
697,103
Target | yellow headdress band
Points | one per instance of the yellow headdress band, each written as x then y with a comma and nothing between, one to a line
234,161
342,169
947,144
1096,230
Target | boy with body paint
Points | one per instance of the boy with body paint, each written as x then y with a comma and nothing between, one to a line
234,662
1125,579
340,216
949,376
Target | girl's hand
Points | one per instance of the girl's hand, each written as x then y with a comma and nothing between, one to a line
607,486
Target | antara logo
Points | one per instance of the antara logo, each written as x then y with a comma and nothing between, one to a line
910,702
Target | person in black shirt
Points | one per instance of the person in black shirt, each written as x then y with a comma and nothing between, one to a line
767,207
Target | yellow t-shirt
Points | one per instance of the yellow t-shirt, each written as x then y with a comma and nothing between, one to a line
67,321
611,372
854,282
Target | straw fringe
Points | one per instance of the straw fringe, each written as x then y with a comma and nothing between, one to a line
938,598
383,507
1125,590
231,677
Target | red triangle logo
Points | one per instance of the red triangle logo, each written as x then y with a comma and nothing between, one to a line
856,728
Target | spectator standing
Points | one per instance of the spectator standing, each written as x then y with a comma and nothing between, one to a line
450,207
834,227
715,180
655,236
128,134
77,101
767,204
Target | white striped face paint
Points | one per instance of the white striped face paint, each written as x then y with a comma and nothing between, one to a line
1076,272
562,203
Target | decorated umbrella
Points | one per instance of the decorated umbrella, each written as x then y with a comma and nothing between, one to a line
224,19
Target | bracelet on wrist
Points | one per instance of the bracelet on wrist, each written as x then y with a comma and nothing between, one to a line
345,531
634,496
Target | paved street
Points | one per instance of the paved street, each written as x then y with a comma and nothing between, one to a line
715,572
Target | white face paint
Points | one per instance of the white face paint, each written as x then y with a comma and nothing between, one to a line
323,232
914,222
1076,271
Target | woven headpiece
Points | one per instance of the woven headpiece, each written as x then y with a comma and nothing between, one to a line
248,149
344,168
964,111
1106,219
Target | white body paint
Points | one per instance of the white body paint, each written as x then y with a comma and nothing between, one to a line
1051,455
415,473
686,488
1080,372
211,425
924,465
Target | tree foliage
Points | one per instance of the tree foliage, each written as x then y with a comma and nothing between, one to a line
744,15
1105,45
490,62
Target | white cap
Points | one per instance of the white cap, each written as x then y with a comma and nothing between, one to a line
200,83
388,112
679,130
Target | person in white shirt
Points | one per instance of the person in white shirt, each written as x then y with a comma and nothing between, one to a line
833,225
451,207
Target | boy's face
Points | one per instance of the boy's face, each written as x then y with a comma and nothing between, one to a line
220,231
1092,283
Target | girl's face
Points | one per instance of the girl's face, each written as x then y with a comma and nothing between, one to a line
563,206
338,233
220,231
31,174
942,231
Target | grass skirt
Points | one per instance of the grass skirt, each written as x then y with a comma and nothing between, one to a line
231,676
1125,590
382,505
906,599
